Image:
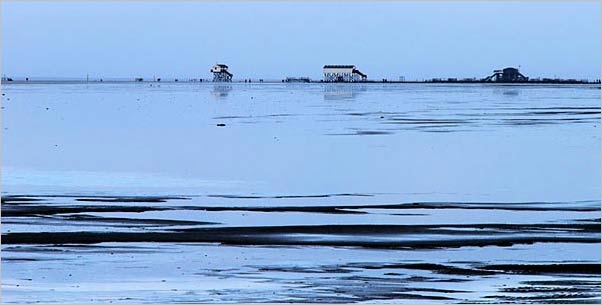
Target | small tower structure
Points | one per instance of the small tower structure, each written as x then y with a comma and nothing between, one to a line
221,73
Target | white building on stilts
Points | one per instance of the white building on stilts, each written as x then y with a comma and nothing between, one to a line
221,73
343,74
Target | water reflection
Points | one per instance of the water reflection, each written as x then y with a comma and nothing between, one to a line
507,91
342,91
221,90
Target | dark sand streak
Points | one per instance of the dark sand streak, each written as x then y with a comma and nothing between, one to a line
288,236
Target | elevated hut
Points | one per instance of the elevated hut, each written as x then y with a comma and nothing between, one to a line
507,75
343,74
221,73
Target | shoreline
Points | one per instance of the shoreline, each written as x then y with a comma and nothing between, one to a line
478,82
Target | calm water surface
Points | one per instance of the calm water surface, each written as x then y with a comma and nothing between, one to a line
300,193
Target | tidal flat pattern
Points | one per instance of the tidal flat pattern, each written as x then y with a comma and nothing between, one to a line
207,193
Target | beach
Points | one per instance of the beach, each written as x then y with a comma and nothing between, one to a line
283,192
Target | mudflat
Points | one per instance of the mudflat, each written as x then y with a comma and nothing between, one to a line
333,193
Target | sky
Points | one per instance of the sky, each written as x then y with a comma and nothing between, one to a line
273,40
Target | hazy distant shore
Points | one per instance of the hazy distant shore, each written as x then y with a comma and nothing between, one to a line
257,81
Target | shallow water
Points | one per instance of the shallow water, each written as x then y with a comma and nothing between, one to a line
300,192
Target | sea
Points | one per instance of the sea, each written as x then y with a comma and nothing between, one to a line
158,192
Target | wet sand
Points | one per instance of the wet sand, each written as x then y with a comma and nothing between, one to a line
73,227
335,193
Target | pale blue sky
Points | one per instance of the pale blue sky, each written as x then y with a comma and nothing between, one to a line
273,40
